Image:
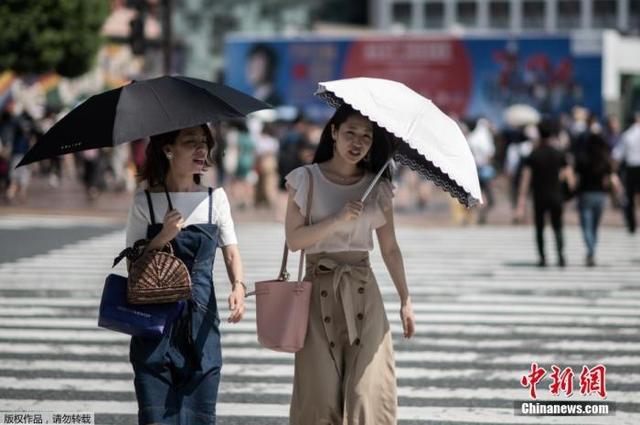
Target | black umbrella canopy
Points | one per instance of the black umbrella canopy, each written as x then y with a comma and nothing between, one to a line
141,109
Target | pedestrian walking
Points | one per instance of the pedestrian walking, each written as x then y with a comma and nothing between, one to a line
266,163
345,372
7,133
578,128
544,170
627,154
517,151
93,162
612,131
241,142
483,149
23,138
595,177
177,376
288,151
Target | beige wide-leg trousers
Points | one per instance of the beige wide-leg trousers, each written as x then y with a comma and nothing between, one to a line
345,373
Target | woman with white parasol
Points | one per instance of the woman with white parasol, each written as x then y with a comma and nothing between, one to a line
345,373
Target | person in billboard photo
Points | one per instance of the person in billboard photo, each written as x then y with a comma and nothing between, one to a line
260,70
345,373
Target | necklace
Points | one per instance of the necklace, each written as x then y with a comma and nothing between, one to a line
342,178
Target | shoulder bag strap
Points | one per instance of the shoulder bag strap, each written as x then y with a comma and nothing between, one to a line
166,192
284,275
152,215
210,205
307,221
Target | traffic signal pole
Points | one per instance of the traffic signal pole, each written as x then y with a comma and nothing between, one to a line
167,35
137,38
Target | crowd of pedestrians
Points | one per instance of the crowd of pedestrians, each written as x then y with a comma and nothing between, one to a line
573,157
559,160
97,169
252,159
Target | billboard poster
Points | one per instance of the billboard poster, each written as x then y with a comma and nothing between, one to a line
466,77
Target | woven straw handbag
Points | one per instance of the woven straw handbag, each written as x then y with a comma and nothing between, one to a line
155,277
158,276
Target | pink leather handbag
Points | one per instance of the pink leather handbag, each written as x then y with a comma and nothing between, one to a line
282,306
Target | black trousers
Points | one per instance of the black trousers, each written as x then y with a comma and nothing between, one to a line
553,207
631,187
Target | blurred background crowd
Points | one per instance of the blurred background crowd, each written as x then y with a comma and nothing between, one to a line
254,156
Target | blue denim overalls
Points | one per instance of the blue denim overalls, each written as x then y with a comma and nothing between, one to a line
177,375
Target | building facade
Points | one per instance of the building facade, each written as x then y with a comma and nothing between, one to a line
549,16
200,27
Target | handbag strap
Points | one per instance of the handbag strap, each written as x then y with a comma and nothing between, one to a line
136,251
284,275
131,253
210,205
166,192
152,214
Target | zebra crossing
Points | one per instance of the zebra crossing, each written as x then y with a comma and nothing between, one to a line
484,314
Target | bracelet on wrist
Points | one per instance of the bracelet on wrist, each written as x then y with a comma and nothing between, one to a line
233,285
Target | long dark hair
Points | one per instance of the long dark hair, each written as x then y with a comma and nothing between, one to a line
379,152
156,165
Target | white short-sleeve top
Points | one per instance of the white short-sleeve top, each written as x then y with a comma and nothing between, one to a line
193,206
329,198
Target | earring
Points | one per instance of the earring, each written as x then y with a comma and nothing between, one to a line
169,156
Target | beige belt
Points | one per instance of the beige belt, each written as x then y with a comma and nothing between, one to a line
357,272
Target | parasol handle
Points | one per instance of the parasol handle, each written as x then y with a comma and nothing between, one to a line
375,179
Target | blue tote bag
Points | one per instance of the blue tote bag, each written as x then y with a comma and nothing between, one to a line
147,320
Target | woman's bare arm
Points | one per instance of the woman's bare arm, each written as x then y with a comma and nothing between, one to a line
392,257
233,263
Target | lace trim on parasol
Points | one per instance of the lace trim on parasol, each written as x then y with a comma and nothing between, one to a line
410,157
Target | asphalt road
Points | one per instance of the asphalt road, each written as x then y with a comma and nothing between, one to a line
484,313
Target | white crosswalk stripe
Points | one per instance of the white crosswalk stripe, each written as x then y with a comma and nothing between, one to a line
484,314
26,221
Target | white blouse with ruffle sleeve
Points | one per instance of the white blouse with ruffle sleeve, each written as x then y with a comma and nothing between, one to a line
329,198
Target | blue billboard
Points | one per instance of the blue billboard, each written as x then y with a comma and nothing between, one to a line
466,77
